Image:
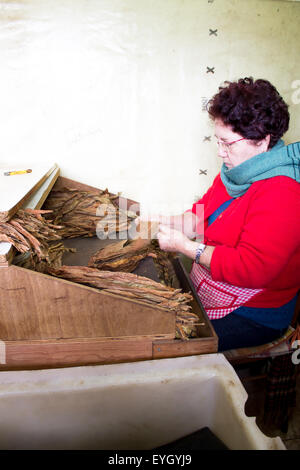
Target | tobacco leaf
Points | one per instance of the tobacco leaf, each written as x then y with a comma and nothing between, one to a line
127,254
28,230
86,213
120,256
30,260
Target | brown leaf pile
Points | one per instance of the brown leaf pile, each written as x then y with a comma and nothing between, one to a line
85,213
28,230
136,287
120,256
126,255
30,260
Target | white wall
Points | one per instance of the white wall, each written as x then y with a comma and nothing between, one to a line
112,90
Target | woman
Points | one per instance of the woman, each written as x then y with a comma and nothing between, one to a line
247,271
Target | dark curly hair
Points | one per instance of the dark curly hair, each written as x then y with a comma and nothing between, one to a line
253,109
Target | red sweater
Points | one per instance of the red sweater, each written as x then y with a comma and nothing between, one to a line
257,239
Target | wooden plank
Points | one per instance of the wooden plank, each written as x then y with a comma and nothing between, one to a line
35,201
17,189
65,353
89,351
63,182
38,306
177,347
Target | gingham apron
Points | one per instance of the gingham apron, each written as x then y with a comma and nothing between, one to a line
218,298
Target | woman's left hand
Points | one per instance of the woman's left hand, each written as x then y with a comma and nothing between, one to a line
170,239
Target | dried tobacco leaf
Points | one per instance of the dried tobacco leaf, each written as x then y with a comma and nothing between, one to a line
35,240
86,213
126,255
120,256
29,260
28,230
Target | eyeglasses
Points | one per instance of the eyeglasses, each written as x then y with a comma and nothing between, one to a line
226,145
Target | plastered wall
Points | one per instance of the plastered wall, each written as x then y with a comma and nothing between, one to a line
114,90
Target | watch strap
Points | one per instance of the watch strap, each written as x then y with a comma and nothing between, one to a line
200,248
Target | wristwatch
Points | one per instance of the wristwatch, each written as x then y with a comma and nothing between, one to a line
200,248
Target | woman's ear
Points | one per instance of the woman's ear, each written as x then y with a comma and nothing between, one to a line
264,143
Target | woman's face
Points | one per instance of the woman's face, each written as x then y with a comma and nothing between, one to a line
232,152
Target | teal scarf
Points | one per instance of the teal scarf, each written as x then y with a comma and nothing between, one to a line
280,160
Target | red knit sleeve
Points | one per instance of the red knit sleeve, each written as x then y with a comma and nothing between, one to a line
270,236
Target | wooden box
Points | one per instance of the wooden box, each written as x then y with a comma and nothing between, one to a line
50,322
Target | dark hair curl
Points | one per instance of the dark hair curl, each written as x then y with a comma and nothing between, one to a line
253,109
